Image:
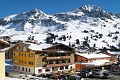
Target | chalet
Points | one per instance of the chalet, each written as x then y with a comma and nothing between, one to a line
6,38
90,60
43,58
5,44
115,55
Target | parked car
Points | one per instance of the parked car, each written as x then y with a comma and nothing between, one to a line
52,77
106,75
84,73
88,69
48,75
94,75
75,77
98,71
116,72
61,77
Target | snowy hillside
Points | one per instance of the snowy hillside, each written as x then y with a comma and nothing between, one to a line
88,26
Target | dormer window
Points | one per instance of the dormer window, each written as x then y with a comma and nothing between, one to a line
24,49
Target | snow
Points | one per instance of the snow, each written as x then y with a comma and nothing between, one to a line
9,68
92,55
96,63
113,52
39,47
8,78
30,23
74,27
4,41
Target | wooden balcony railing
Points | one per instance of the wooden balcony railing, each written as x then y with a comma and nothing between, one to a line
59,57
56,65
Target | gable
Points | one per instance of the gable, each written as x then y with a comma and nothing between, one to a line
60,47
17,46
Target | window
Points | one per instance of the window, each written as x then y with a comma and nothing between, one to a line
22,54
15,67
31,55
47,69
24,49
61,67
19,54
22,68
15,49
19,47
30,62
26,69
29,70
22,61
18,68
15,60
15,54
66,67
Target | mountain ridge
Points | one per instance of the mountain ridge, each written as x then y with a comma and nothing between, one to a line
94,26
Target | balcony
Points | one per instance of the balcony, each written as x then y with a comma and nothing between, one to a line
58,57
56,65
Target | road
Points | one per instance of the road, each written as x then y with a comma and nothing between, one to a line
114,78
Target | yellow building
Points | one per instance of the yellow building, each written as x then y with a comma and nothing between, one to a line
42,58
2,64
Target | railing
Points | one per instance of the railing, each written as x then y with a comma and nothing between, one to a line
59,57
56,65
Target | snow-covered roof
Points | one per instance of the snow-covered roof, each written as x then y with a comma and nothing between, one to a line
4,49
92,55
96,63
113,52
4,41
39,47
98,51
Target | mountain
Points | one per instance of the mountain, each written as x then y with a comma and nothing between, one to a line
88,26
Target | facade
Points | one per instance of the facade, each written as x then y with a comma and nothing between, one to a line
115,56
43,58
2,65
91,60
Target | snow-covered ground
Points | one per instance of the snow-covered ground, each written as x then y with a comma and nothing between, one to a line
8,78
9,68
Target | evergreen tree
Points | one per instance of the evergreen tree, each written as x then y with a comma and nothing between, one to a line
77,41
